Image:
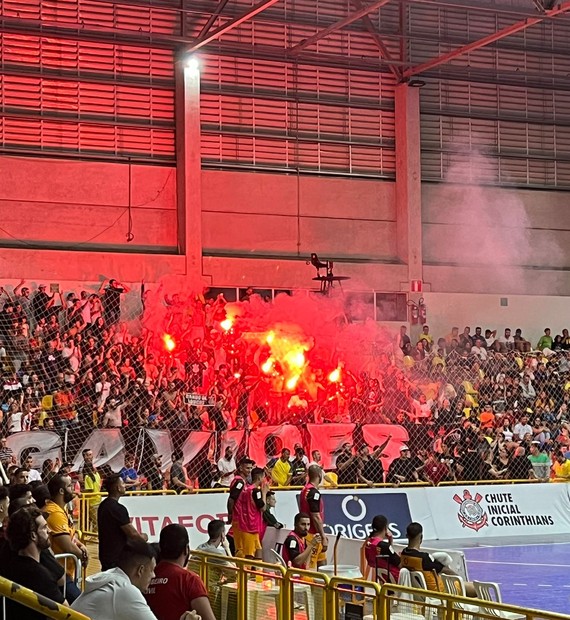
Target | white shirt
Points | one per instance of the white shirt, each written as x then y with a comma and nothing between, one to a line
103,390
480,352
34,474
520,430
111,596
227,469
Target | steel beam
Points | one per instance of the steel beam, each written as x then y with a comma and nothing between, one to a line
523,24
353,17
213,17
384,51
231,24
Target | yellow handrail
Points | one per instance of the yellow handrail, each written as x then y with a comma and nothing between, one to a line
391,593
37,602
334,592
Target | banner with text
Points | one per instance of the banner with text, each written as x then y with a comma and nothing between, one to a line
493,510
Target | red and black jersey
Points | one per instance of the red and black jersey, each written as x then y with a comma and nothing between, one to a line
293,546
311,502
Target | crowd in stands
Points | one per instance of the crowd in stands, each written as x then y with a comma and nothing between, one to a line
69,361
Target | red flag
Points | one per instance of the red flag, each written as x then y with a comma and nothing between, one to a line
267,442
327,439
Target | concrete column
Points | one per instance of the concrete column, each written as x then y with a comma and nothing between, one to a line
408,179
189,164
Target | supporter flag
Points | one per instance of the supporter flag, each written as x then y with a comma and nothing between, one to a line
267,442
107,446
162,445
234,440
194,443
41,446
376,435
327,439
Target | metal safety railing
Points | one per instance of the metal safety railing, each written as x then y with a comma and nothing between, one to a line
403,603
245,588
33,600
78,573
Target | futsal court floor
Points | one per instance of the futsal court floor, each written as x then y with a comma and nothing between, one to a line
532,572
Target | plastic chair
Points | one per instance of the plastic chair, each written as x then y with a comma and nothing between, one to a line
279,558
454,584
404,608
489,591
434,607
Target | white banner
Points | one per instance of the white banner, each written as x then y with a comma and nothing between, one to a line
505,510
107,446
446,513
41,445
195,441
349,513
162,445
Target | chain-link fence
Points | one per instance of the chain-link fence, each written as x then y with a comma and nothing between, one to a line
176,397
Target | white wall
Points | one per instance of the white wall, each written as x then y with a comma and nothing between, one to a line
531,313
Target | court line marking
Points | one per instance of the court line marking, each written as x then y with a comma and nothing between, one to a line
514,563
479,546
520,584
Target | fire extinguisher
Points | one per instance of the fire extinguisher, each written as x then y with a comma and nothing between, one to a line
423,312
414,314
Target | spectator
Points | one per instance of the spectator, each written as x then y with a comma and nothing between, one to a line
33,474
28,535
20,475
178,477
117,594
347,465
329,480
403,468
155,477
92,484
298,467
561,467
519,466
296,551
227,467
112,300
522,428
280,469
174,590
20,490
217,543
545,341
540,462
6,453
62,531
115,527
129,474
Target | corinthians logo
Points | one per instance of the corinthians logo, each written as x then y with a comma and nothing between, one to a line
471,513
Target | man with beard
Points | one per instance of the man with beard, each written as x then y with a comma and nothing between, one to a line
174,590
62,531
296,551
28,535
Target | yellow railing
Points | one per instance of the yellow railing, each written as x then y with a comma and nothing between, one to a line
244,588
399,601
37,602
